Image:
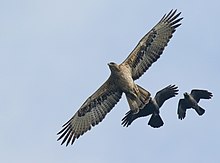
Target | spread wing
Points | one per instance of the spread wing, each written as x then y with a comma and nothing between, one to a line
166,93
182,106
91,112
201,94
130,116
151,46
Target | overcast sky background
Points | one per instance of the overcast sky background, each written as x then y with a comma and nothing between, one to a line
54,54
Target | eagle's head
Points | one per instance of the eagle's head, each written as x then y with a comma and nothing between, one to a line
113,66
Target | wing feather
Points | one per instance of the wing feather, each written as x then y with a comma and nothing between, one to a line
151,46
130,117
201,94
92,112
181,111
166,93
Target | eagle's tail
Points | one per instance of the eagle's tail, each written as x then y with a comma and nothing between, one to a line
138,102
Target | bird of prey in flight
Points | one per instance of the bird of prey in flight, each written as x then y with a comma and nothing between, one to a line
152,108
191,101
121,80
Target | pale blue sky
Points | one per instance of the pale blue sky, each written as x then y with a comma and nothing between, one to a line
54,54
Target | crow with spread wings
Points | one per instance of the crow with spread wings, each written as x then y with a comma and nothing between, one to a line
191,101
121,80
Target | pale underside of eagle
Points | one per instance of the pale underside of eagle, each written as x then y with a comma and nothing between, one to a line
121,80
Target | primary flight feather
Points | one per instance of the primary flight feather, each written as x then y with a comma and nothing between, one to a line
121,80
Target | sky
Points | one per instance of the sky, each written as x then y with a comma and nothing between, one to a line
54,54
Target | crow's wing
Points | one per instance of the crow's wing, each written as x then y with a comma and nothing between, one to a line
182,106
198,94
166,93
130,116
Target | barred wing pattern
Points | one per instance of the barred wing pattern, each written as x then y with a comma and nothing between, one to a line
151,46
93,111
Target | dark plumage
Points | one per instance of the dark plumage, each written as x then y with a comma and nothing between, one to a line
152,108
191,101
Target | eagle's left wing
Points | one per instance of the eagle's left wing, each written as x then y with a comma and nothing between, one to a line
151,46
93,111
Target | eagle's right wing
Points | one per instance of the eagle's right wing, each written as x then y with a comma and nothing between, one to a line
91,112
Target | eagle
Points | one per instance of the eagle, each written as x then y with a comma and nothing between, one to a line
191,101
121,80
152,108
